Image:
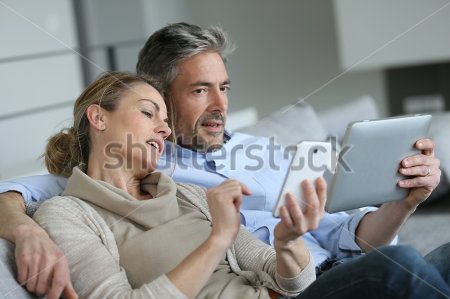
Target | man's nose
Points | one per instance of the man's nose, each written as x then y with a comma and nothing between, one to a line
218,101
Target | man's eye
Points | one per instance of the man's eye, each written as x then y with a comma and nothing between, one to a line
200,91
148,114
225,88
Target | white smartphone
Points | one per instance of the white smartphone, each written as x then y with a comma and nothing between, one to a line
310,161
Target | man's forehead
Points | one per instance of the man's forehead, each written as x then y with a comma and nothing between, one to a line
202,64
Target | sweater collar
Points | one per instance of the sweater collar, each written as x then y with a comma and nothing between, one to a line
149,213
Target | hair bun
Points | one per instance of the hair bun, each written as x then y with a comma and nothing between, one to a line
61,154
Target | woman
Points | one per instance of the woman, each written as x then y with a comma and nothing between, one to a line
130,232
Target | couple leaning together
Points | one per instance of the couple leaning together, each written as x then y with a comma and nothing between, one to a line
121,228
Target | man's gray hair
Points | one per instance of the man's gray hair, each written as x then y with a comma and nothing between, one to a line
167,47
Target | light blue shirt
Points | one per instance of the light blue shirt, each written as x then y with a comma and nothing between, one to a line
247,159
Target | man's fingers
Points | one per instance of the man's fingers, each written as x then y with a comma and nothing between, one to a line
31,279
418,171
420,181
69,291
425,145
419,160
59,280
22,269
43,280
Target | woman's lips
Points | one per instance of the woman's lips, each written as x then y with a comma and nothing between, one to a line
156,144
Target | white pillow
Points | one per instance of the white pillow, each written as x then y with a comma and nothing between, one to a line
336,119
289,125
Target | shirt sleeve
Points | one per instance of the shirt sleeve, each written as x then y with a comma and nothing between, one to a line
336,233
36,188
92,253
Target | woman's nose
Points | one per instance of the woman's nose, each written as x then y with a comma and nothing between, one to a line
164,130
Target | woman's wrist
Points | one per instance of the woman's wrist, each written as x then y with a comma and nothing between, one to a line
294,250
219,242
289,245
292,257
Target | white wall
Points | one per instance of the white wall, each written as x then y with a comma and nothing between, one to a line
285,50
38,89
420,30
19,27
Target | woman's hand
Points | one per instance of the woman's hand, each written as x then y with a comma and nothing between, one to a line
424,173
224,202
292,254
295,223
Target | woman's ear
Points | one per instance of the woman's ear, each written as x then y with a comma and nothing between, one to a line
96,117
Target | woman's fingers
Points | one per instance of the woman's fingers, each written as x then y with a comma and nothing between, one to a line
295,222
245,189
311,199
296,215
321,187
286,218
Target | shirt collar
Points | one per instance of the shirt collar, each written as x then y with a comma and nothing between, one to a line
183,152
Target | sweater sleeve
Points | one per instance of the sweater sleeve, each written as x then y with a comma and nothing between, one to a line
256,256
252,258
92,253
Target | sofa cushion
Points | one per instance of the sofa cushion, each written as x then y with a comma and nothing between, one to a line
9,287
289,125
336,120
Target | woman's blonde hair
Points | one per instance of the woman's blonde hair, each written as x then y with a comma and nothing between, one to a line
70,147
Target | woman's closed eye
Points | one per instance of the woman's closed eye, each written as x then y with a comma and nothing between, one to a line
147,113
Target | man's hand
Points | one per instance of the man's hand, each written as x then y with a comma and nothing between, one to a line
42,266
424,172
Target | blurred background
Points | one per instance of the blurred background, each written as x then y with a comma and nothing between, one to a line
327,52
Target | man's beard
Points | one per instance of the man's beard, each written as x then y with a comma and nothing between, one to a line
195,140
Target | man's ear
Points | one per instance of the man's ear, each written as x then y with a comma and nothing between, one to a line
96,117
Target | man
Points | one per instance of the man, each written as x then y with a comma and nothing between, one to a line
189,61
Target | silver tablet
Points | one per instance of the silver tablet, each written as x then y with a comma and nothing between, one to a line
367,170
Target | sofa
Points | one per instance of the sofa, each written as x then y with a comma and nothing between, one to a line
306,124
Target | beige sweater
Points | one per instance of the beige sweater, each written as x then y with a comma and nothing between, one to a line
120,247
